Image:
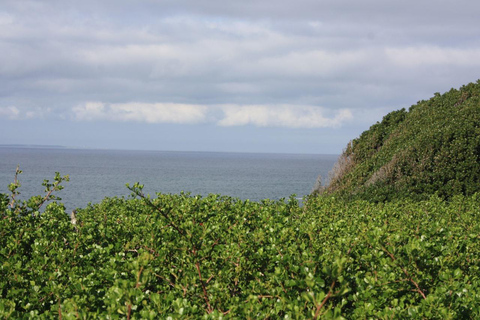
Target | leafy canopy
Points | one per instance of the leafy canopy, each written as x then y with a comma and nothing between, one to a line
188,257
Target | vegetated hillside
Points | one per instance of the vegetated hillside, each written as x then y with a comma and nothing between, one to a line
434,147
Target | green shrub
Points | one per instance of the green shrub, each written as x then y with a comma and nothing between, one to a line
188,257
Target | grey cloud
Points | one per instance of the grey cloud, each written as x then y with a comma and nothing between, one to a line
335,54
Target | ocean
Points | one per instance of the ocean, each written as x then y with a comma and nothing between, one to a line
96,174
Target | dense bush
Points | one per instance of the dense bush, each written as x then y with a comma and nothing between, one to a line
434,147
187,257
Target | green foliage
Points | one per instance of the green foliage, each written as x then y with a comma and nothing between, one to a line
434,148
31,206
188,257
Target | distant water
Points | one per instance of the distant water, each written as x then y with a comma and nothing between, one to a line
96,174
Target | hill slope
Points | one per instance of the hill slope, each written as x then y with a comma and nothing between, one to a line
434,147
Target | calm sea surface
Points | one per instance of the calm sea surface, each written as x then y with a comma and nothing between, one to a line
96,174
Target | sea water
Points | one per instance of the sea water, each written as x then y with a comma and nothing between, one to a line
96,174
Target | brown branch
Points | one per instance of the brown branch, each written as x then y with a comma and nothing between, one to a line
164,279
138,277
184,233
350,249
320,306
129,310
267,296
59,310
185,290
45,199
209,279
406,273
165,215
152,251
390,282
15,182
205,295
45,297
280,253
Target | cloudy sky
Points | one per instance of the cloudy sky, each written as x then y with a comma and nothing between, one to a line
302,76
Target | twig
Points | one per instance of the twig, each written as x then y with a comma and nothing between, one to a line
59,310
164,279
164,214
129,310
47,196
406,273
209,279
320,306
184,233
138,277
15,183
205,295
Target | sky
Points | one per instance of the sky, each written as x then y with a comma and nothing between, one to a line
304,76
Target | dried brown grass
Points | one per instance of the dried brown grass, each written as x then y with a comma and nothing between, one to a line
341,168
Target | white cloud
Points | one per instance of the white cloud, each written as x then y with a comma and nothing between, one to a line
141,112
90,111
9,112
223,115
15,113
282,116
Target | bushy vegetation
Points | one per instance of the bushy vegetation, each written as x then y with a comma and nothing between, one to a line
433,148
188,257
